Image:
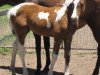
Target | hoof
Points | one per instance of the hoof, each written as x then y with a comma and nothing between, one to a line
45,70
96,72
37,72
25,72
12,69
50,73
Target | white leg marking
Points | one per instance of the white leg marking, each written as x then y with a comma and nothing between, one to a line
66,70
54,58
22,56
14,51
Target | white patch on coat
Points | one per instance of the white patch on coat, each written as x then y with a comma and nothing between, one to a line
61,12
43,15
14,10
74,15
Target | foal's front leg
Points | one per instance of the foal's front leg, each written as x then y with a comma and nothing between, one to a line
67,44
38,52
54,55
47,47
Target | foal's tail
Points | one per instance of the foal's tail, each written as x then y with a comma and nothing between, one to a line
10,16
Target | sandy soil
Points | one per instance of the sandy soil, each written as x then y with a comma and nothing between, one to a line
82,62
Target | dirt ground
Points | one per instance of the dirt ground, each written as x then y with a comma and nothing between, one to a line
82,62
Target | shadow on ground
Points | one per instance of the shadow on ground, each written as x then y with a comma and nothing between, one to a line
19,70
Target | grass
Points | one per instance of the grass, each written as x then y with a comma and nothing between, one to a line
4,50
3,21
4,7
4,28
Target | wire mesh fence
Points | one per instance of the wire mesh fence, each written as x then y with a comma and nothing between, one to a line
82,39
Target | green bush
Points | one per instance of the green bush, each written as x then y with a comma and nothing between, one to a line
4,50
4,7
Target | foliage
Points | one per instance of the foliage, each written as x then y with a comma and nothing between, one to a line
5,7
4,50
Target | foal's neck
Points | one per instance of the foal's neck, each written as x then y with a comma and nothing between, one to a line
61,12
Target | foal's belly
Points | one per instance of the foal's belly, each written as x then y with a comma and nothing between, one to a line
50,32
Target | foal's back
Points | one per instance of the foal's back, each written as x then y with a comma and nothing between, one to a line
40,19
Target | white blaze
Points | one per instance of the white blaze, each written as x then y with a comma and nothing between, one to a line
43,15
74,15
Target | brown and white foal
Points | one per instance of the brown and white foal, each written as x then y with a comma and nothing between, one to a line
47,21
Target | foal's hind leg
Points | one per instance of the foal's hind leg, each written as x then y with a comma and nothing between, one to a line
14,52
97,68
67,44
21,39
13,59
38,52
47,47
22,56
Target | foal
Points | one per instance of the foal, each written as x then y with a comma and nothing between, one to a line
38,38
37,42
47,21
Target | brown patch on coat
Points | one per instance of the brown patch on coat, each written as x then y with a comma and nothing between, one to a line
27,16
